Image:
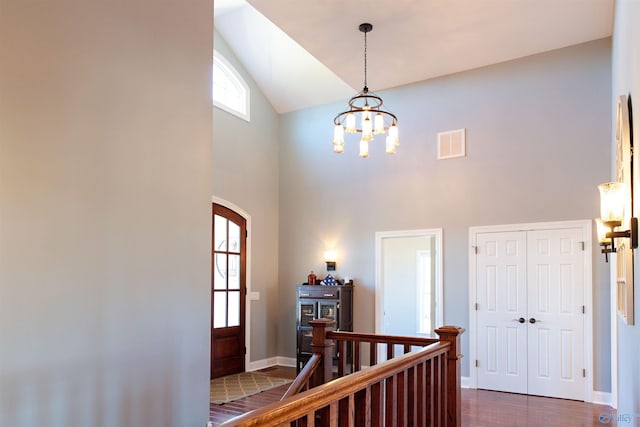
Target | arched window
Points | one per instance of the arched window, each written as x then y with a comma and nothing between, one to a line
230,91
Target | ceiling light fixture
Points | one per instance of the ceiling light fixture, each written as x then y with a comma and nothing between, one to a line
373,119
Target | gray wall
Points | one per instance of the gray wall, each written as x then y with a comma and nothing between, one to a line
245,165
538,132
626,79
105,192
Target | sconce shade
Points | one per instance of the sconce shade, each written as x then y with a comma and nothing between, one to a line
330,259
612,201
601,231
330,256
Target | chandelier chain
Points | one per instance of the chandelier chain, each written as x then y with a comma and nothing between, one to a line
365,60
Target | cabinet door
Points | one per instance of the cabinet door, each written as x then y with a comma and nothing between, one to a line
328,310
307,312
304,340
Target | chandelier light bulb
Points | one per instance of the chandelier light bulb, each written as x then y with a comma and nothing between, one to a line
378,124
366,114
338,135
391,147
367,129
350,123
364,148
338,148
393,133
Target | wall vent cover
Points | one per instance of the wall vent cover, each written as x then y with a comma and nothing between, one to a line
452,144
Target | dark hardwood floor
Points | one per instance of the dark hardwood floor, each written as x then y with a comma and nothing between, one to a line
480,408
221,413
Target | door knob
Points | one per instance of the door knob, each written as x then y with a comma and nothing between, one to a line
520,320
533,320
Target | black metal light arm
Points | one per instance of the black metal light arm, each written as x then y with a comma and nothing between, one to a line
631,234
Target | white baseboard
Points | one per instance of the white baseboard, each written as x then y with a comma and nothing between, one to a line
602,398
261,364
287,361
464,382
271,361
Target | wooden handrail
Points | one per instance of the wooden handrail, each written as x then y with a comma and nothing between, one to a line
302,380
312,400
381,339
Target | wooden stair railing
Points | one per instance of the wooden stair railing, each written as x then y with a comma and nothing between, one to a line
350,343
303,379
416,389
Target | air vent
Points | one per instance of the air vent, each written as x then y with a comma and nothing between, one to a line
451,144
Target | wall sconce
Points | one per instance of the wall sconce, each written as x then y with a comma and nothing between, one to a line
613,196
330,259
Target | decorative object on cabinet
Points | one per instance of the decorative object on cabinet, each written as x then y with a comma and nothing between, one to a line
311,278
316,302
329,280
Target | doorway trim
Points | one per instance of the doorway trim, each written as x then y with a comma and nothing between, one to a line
379,281
247,330
587,230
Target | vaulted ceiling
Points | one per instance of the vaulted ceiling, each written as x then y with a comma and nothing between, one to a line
307,53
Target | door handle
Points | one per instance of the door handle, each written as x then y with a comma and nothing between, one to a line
520,320
533,320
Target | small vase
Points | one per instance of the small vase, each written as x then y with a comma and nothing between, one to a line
311,279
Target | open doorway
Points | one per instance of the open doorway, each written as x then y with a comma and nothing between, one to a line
409,282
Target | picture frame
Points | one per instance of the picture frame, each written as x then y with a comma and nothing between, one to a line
625,173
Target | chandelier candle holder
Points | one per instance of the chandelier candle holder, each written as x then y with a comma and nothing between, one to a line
366,116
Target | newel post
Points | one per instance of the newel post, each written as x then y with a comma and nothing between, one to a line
323,347
451,334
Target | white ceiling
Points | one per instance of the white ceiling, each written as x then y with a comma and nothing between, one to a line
307,53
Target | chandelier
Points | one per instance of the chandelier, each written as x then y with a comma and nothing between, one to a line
372,120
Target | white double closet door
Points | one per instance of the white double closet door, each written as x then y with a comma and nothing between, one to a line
529,312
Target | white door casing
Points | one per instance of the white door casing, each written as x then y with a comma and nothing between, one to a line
558,272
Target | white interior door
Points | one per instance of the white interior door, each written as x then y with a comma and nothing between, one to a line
501,310
555,304
529,314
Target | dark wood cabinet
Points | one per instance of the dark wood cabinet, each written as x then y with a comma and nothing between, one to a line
316,302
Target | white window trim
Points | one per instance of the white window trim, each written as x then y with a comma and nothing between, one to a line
245,116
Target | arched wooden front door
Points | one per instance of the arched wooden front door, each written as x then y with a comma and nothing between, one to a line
228,290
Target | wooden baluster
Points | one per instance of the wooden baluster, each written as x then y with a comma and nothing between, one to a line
402,397
443,390
324,348
342,357
391,397
429,389
376,405
356,356
310,421
333,413
412,396
389,351
421,395
373,353
451,334
407,348
362,407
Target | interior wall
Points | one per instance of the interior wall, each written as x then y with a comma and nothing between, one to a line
538,132
245,160
105,227
626,80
